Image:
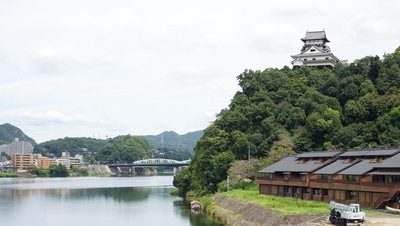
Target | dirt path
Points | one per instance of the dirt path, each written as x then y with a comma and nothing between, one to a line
376,218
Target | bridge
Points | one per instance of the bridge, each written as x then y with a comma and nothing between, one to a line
151,163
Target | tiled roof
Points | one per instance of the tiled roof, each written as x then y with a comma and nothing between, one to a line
325,154
354,153
310,35
364,153
382,152
291,164
360,168
337,163
334,167
392,162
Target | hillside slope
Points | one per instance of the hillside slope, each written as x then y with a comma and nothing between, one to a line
8,133
172,140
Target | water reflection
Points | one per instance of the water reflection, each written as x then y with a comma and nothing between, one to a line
94,201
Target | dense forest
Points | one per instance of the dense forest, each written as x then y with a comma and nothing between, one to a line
284,111
124,149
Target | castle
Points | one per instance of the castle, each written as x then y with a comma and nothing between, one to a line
315,52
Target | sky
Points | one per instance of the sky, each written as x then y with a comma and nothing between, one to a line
101,69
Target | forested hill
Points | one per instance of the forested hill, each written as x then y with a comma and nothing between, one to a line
74,145
172,140
8,133
352,106
174,146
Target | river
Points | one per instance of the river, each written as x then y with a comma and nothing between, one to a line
97,201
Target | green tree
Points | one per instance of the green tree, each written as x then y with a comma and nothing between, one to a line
124,149
58,171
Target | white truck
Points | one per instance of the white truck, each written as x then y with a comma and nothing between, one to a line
344,215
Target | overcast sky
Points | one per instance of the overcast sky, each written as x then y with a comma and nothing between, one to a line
107,68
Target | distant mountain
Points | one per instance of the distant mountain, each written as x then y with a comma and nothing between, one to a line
172,140
8,133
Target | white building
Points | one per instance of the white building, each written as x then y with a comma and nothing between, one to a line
17,147
64,161
315,52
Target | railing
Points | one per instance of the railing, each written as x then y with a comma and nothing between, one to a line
382,187
384,198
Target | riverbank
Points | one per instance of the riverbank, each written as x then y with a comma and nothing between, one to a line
234,211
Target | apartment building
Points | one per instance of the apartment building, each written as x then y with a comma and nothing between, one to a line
23,161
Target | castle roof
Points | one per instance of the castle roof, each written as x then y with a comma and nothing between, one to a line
315,35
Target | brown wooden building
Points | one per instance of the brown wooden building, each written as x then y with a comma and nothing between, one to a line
369,177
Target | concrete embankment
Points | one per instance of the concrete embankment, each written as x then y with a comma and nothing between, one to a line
237,212
99,169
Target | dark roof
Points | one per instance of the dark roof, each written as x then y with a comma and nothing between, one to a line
334,167
290,164
384,173
360,168
354,153
392,162
324,154
314,35
383,152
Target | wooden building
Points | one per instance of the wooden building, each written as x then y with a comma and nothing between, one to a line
315,52
370,177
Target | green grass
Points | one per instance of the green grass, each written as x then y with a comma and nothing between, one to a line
8,175
287,205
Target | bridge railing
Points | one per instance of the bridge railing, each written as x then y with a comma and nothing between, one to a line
160,161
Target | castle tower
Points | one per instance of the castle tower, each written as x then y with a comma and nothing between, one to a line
315,52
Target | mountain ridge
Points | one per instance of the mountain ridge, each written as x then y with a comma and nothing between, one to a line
9,132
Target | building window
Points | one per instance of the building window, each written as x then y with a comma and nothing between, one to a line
312,50
327,58
313,58
349,177
351,195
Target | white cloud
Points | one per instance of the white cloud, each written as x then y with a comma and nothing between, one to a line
54,116
78,68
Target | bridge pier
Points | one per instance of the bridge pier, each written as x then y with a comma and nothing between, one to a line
177,169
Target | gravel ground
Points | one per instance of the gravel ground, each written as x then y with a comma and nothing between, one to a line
376,218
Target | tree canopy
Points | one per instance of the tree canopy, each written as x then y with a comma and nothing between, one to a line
124,149
351,106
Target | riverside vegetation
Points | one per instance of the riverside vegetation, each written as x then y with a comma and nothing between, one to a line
280,112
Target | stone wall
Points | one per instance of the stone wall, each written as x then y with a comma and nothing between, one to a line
236,212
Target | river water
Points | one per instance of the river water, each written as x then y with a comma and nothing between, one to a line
96,201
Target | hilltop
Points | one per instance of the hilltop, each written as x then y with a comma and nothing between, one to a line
172,140
280,112
8,133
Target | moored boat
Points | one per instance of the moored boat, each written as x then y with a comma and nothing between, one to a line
392,209
195,205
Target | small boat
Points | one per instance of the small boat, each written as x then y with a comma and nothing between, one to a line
195,205
392,209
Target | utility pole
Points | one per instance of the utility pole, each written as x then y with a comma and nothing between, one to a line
249,152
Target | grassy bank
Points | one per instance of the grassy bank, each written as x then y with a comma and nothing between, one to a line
8,175
285,205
